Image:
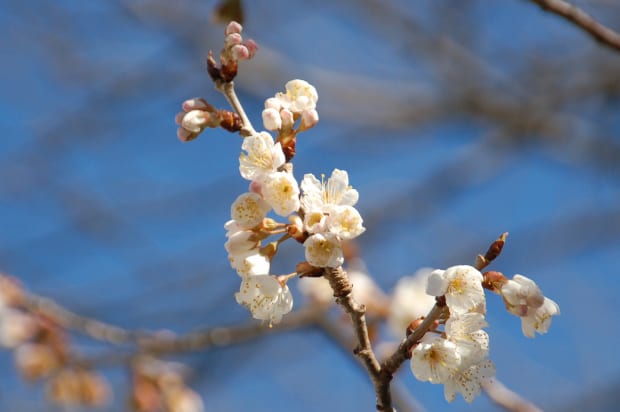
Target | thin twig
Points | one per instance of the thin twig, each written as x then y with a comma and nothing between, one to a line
228,90
583,20
391,364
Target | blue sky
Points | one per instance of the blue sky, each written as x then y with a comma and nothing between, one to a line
104,210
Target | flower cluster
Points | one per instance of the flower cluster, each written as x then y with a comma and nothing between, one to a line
41,352
321,217
452,348
458,357
298,102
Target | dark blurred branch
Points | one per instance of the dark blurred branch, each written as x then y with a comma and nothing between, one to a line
583,20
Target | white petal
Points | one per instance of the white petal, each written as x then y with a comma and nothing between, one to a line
437,283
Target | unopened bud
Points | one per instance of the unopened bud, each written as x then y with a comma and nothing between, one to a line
233,39
309,119
240,52
233,27
252,47
493,280
271,119
195,120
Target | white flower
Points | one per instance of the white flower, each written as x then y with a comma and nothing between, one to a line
249,209
328,206
263,156
435,359
240,242
539,319
409,301
280,191
521,294
466,332
345,222
249,263
324,250
336,191
300,96
462,287
265,297
468,381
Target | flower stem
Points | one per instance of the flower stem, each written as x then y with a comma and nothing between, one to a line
228,90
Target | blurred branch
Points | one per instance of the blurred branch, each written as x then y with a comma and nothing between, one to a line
508,399
165,341
583,20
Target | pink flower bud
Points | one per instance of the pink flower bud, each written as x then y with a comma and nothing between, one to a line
233,27
252,47
232,40
240,52
184,135
193,104
287,118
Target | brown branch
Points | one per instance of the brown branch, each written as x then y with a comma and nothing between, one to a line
342,287
402,401
583,20
391,364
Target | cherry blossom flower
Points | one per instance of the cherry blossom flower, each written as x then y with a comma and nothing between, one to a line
462,287
299,96
265,297
280,191
539,319
249,263
241,241
435,359
249,209
335,191
263,156
468,381
466,332
345,222
328,206
521,294
324,250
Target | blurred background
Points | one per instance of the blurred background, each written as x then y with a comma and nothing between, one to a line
457,120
